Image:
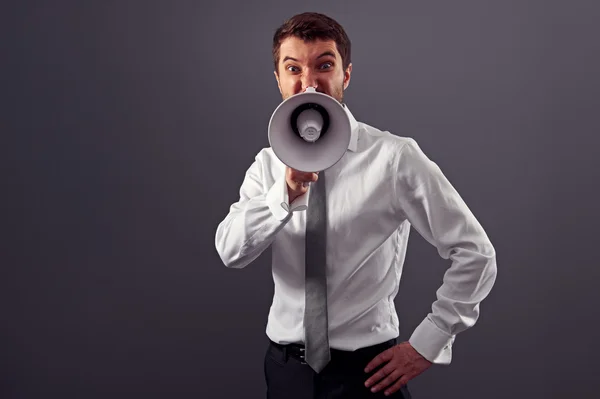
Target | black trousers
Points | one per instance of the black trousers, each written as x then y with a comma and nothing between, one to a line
288,377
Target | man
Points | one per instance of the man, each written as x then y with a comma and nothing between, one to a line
382,185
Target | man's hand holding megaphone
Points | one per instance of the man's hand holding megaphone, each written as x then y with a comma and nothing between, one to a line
298,182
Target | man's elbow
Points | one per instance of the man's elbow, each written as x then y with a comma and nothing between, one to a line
483,245
230,257
234,263
490,267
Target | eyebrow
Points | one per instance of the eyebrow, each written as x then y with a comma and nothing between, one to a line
326,53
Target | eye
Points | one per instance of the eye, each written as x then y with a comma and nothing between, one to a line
326,65
292,68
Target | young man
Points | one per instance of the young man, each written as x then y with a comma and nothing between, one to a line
381,186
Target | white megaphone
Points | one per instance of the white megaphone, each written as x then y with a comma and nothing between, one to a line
309,131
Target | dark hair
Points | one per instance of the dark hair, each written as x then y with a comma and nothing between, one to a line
311,26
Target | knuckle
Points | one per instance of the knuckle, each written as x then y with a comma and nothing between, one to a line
388,381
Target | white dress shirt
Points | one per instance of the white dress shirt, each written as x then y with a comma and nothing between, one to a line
382,185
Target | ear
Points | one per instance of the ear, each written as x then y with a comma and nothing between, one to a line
347,75
277,78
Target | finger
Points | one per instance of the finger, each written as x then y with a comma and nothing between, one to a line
295,174
310,176
393,377
300,176
306,178
396,387
382,373
384,356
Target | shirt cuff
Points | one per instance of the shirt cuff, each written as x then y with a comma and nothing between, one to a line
278,200
432,343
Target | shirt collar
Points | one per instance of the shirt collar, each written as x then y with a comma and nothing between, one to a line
354,128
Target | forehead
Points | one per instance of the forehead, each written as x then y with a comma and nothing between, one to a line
305,50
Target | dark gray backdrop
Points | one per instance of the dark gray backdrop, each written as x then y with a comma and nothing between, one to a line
127,128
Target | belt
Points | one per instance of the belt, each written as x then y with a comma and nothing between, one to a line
297,350
294,350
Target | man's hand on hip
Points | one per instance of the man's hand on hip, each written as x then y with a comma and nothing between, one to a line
403,364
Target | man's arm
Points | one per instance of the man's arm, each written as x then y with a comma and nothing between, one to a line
438,213
254,220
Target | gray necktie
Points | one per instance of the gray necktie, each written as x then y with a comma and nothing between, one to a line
316,328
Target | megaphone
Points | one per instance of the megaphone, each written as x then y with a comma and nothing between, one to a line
309,131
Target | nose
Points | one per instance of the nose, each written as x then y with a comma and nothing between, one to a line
309,80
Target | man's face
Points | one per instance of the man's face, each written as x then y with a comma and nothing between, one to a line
311,64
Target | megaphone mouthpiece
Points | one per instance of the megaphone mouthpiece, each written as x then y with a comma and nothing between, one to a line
310,124
307,115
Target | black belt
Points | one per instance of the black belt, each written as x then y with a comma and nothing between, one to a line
297,350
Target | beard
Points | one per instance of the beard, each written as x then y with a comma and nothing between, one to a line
338,93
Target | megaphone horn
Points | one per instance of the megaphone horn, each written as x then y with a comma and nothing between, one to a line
309,131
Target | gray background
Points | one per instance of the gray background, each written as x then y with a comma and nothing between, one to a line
127,128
